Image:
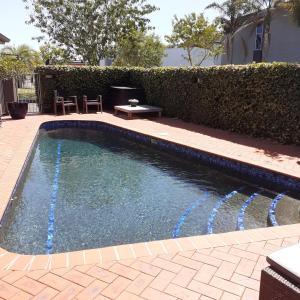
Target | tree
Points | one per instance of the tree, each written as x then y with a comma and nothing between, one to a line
90,29
24,53
11,66
194,31
140,50
231,17
54,55
294,7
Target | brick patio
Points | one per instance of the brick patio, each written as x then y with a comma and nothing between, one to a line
224,266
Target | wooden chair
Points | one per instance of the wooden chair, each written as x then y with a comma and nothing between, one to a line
96,102
60,101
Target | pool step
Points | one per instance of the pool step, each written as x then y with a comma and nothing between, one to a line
272,209
223,216
247,209
254,212
241,216
284,210
186,214
250,210
239,209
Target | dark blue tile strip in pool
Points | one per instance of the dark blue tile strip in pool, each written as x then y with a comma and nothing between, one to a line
214,212
187,212
256,173
241,215
272,209
55,186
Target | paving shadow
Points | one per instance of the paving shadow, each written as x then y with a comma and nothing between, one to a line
267,147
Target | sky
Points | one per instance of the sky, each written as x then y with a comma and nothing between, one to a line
13,16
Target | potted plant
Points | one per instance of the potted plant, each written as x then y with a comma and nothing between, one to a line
12,67
17,110
133,102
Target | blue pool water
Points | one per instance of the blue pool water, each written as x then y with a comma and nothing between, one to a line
85,189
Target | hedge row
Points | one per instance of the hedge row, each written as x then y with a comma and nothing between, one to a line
260,100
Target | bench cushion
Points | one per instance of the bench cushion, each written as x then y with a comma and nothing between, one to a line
287,262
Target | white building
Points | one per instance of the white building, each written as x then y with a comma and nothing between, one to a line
175,58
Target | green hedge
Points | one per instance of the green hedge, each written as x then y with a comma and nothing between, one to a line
259,99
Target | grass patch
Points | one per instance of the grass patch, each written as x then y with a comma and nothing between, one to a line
26,94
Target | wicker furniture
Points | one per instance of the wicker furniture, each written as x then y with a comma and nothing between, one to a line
70,102
281,280
88,102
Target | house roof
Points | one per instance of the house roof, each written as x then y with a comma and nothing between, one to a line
3,39
260,14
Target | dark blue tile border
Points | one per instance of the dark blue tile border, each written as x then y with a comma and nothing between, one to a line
257,174
241,216
272,209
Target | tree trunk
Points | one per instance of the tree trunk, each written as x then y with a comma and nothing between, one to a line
189,51
231,44
266,34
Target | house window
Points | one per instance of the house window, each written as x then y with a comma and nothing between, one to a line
259,37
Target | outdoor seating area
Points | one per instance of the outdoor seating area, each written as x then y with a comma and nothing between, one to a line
65,104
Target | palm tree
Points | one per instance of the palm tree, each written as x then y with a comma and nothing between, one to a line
232,19
25,54
294,7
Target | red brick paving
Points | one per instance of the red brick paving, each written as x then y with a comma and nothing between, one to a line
168,281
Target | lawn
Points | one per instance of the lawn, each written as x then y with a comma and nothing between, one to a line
28,94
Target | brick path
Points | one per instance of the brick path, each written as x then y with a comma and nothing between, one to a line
229,272
205,271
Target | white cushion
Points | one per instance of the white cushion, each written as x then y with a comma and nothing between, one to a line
287,262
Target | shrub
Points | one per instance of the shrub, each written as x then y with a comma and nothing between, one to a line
258,99
11,67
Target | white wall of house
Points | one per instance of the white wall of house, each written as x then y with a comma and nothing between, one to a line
284,46
174,57
105,62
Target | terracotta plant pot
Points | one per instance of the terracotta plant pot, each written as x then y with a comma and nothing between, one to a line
17,110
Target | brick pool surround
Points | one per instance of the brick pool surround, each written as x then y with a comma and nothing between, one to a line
14,261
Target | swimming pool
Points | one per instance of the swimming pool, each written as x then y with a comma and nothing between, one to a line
89,185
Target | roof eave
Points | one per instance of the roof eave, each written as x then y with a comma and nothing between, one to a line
4,39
